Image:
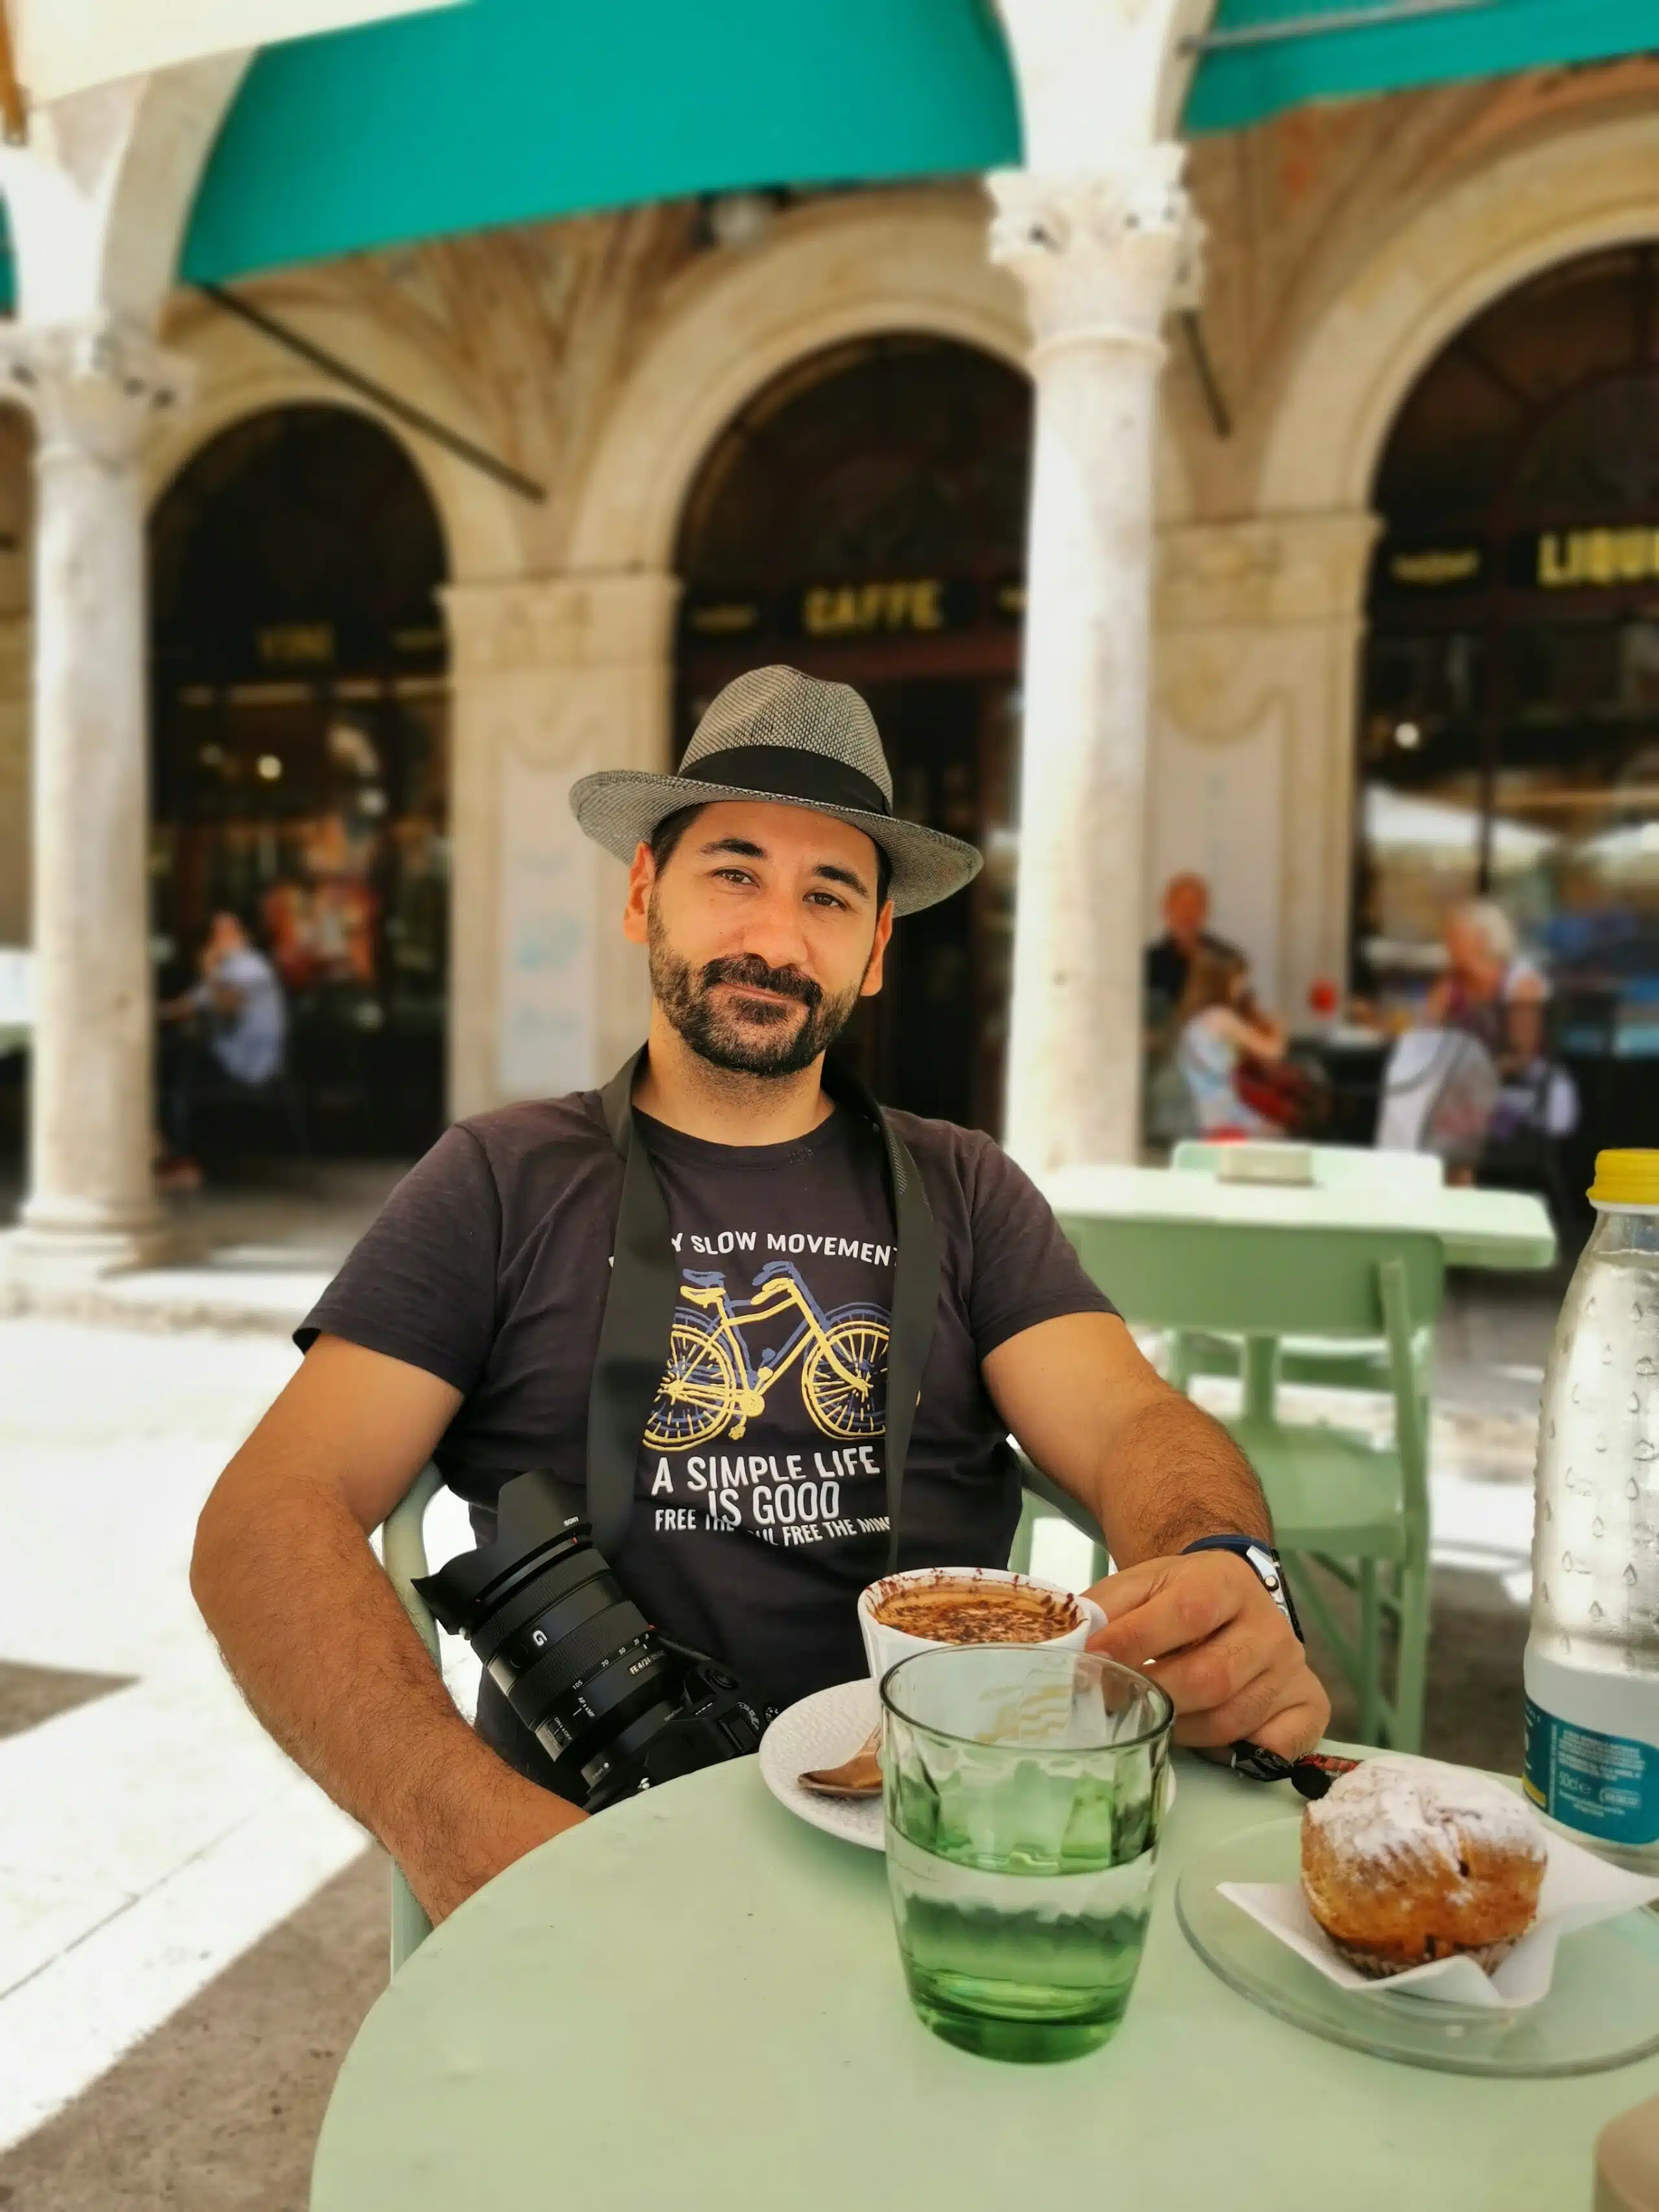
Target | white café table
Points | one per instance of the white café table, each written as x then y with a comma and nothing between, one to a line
1497,1229
696,2001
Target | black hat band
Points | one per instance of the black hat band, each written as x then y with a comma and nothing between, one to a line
789,772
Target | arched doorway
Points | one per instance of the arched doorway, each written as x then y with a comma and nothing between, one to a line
300,774
1509,733
864,519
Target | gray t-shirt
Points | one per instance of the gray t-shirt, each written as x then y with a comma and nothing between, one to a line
760,1502
248,1043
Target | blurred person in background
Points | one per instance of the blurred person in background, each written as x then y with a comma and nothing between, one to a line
1186,910
1475,1071
227,1032
1224,1039
1489,991
1168,1113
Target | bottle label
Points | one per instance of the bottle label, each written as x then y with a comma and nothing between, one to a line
1606,1786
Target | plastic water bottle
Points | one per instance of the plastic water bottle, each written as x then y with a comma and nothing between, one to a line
1592,1663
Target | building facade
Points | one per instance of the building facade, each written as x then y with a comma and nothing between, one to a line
674,440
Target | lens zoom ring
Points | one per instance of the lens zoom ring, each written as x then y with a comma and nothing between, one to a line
570,1659
556,1581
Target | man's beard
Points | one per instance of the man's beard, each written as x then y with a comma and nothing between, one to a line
791,1042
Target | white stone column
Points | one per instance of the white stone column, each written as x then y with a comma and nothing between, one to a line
551,676
94,389
1100,256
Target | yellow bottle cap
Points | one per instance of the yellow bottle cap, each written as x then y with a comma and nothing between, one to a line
1627,1178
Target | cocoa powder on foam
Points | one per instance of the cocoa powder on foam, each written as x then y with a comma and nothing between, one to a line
952,1610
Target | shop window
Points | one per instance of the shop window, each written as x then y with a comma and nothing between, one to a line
301,771
1509,740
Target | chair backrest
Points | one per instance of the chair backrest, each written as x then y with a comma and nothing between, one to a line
1332,1165
1250,1279
403,1544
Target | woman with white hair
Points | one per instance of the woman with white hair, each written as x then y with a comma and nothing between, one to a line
1489,991
1475,1069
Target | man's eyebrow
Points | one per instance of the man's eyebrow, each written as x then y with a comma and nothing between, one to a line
833,873
747,849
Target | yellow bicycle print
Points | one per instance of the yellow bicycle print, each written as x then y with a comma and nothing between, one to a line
711,1387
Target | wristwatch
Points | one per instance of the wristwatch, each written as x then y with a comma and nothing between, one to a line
1265,1563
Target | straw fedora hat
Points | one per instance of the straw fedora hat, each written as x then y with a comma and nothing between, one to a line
777,735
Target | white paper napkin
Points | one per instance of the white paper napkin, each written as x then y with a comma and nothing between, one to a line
1579,1890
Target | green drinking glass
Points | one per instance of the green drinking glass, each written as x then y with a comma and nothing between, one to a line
1024,1788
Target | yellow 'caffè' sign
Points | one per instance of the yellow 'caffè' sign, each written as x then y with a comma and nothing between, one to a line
868,610
1576,558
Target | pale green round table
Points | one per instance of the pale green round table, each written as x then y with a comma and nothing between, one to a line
695,2002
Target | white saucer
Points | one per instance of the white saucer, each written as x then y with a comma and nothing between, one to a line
822,1730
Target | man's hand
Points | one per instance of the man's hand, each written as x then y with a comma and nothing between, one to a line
1213,1638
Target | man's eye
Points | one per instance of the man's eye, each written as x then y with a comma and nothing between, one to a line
828,898
734,875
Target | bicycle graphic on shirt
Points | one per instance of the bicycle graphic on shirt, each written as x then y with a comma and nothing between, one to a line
711,1386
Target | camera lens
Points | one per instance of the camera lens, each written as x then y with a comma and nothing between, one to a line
578,1662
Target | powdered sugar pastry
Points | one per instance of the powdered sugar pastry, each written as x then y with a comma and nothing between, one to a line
1395,1812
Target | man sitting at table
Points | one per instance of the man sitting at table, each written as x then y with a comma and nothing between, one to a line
764,881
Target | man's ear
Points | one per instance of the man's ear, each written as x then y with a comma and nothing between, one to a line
641,875
873,973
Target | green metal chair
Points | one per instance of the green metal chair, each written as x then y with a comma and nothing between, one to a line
403,1549
1315,1361
1046,1501
404,1552
1344,1508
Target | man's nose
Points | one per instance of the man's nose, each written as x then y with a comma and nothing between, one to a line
773,928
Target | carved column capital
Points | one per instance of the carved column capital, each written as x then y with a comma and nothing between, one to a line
567,623
94,387
1102,256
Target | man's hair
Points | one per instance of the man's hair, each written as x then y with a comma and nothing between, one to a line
669,831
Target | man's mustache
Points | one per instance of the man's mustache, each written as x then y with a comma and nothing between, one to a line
749,968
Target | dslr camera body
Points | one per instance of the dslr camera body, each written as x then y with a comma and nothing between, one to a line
616,1706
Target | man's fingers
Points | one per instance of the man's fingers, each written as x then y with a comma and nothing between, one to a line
1180,1610
1209,1677
1249,1708
1288,1716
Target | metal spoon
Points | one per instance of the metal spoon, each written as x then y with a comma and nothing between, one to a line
857,1776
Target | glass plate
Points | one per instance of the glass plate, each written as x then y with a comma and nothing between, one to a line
1602,2009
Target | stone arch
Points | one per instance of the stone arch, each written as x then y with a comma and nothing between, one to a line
843,269
242,374
849,268
1592,187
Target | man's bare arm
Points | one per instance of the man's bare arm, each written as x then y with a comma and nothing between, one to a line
315,1636
1157,1473
1096,1416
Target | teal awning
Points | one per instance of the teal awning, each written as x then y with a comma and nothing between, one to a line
1243,84
507,111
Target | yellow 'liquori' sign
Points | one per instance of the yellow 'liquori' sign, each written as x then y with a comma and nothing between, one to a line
1575,558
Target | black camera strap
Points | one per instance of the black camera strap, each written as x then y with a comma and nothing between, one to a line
645,1278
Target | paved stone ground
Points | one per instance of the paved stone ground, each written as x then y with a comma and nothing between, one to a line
189,1936
218,2110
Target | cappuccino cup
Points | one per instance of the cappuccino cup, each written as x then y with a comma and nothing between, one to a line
951,1591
